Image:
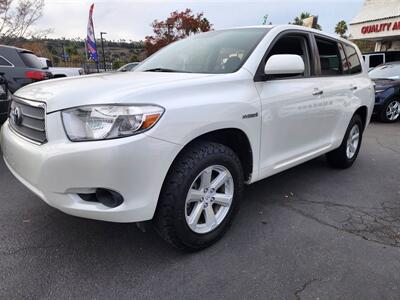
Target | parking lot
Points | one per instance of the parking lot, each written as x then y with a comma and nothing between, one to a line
311,232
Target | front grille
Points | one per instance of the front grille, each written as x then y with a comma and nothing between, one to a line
27,118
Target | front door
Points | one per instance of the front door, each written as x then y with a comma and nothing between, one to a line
296,122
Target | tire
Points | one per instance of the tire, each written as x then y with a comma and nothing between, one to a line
340,158
174,206
388,113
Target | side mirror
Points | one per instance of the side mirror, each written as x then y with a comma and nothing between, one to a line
281,64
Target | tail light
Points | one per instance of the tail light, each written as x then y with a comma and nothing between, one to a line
37,75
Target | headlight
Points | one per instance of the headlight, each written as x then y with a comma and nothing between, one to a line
89,123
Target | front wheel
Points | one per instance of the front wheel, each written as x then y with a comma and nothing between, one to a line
391,111
344,156
200,196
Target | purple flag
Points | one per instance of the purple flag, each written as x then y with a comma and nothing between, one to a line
90,40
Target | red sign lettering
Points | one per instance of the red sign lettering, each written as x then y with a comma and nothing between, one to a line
380,27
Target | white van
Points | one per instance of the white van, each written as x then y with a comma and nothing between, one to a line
374,59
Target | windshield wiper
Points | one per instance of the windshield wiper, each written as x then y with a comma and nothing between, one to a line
161,70
165,70
383,78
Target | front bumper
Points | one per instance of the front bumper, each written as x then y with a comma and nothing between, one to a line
59,170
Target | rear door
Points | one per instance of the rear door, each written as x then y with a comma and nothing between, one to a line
336,85
361,86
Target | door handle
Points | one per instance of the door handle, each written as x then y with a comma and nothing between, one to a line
353,88
317,92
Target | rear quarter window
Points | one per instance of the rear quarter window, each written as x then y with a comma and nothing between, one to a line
353,59
30,60
4,62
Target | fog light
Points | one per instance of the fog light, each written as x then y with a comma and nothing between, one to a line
106,197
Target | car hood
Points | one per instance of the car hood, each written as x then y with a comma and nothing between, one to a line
383,84
130,87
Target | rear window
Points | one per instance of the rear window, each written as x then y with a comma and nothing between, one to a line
49,63
375,60
353,59
31,60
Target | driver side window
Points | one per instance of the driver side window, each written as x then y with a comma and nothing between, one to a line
292,44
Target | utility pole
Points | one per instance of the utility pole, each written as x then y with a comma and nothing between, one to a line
63,54
102,50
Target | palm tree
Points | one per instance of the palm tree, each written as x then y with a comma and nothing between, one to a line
304,15
341,28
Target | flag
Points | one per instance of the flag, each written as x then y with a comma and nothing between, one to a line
90,40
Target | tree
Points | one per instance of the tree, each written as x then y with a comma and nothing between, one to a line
71,49
304,15
16,19
341,29
117,64
365,45
177,26
134,58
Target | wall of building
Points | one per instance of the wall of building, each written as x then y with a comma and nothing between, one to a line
387,28
388,45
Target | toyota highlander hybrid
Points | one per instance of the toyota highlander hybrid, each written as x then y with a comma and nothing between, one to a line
176,140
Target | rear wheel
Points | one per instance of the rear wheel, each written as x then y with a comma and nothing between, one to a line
344,156
200,196
391,112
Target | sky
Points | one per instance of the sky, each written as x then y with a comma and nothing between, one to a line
131,19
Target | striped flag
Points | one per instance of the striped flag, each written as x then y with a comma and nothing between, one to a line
90,40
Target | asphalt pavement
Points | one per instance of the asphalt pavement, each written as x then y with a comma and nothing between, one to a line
309,233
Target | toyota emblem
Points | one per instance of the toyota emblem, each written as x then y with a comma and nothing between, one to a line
16,115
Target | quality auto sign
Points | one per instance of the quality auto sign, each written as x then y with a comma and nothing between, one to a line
381,27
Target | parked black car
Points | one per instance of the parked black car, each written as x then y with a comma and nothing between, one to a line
21,67
387,91
4,99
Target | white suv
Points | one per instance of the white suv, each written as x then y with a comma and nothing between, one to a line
176,140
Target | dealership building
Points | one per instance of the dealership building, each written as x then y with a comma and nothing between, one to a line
378,21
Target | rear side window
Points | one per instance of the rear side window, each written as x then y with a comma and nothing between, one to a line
375,60
30,60
353,59
329,57
4,62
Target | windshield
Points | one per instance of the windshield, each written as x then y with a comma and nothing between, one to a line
128,67
214,52
389,71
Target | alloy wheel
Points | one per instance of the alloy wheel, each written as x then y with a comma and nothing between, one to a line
352,141
393,110
209,199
